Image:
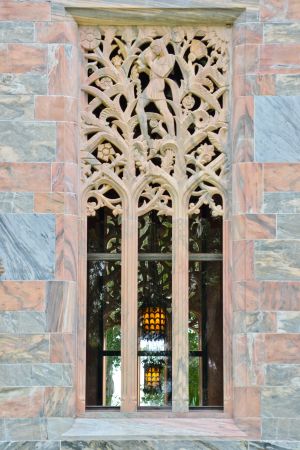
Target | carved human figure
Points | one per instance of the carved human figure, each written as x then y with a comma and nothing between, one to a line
158,63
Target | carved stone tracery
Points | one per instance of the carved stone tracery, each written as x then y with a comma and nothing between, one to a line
155,123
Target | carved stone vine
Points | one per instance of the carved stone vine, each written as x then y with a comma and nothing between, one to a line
155,122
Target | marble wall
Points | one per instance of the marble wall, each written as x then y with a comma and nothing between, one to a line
39,91
39,110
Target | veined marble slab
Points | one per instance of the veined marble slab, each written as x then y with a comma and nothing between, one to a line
27,246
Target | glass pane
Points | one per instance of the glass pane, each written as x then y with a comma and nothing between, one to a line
205,232
155,312
206,333
112,380
155,233
104,232
103,332
155,381
195,381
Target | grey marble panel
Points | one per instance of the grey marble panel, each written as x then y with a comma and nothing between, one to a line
282,375
2,430
277,132
287,84
288,321
288,226
16,202
280,401
28,246
253,322
59,402
287,33
277,260
282,202
16,32
27,141
51,375
16,107
57,426
274,445
168,444
30,445
281,429
30,322
15,375
23,83
26,429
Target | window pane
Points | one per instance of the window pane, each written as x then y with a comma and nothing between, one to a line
104,232
155,233
103,356
205,232
155,312
206,334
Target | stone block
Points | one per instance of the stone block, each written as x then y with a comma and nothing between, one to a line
260,84
152,444
30,429
283,401
282,375
30,445
22,295
23,83
243,260
281,177
56,108
287,84
288,322
51,375
293,11
67,142
288,226
57,426
57,32
25,177
274,445
282,202
16,107
283,58
280,296
59,402
60,306
254,226
277,260
62,65
247,188
246,58
52,202
260,322
286,33
24,348
13,401
16,32
248,33
27,142
14,375
62,348
28,246
21,58
277,133
273,10
282,348
28,10
16,202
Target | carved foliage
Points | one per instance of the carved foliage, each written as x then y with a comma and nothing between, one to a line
155,120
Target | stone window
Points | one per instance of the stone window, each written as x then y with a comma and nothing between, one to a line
154,126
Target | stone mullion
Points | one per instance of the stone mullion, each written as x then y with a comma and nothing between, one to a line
180,285
129,307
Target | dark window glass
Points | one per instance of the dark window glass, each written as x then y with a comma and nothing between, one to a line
205,312
155,311
103,357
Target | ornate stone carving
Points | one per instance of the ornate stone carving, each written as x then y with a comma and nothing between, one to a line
155,123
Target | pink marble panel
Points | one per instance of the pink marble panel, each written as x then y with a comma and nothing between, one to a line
247,401
247,187
56,107
254,226
63,77
15,10
282,348
22,295
283,58
56,32
20,58
62,348
243,267
281,177
21,402
31,177
67,142
52,202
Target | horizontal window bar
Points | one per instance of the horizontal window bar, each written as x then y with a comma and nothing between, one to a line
155,257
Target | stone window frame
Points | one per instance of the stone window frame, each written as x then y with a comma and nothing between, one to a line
91,14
